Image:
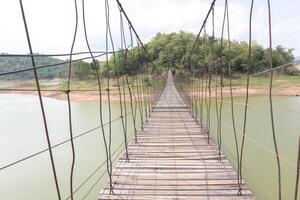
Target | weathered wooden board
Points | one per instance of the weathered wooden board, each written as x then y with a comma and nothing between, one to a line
173,160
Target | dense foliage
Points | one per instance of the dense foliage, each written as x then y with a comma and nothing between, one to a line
172,51
10,64
167,51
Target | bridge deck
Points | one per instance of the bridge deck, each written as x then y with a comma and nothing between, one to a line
173,160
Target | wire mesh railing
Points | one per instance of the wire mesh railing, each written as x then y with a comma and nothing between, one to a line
206,88
139,89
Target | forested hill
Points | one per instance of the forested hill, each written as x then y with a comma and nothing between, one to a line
8,64
167,51
171,51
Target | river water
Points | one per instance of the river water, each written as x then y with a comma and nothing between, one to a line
259,161
22,133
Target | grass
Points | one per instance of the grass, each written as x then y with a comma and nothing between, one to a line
257,82
90,85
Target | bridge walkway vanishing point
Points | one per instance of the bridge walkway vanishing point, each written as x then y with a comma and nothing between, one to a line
173,160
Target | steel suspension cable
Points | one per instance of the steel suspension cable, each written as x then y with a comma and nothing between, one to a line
203,25
131,92
138,88
137,36
198,100
206,84
202,97
209,93
247,92
271,101
107,37
132,110
221,78
123,64
95,63
213,51
67,92
232,100
40,99
148,86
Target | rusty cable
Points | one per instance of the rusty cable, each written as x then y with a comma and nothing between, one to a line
67,92
40,100
232,100
271,102
108,96
247,93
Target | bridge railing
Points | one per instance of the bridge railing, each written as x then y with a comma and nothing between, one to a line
136,92
206,88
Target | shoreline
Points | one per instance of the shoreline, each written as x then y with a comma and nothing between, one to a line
75,96
239,92
93,96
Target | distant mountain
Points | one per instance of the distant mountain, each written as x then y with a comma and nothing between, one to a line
9,64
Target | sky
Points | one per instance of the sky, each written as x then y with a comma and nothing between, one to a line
51,22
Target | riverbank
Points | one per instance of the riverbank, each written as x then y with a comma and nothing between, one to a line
81,91
93,96
77,96
87,91
238,91
258,86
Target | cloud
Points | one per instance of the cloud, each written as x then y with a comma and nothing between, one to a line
51,23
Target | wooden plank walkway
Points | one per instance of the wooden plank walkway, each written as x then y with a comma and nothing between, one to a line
173,160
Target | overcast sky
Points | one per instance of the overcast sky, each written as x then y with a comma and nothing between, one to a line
51,22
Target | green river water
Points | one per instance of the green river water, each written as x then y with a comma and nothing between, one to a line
22,133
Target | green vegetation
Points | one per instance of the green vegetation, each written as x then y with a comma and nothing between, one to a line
167,51
171,51
9,64
255,82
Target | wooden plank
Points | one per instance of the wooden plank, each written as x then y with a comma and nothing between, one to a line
173,160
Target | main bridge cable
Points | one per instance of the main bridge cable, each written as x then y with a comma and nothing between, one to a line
154,67
202,27
137,36
40,100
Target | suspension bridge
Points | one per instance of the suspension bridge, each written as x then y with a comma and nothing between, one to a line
173,159
172,155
